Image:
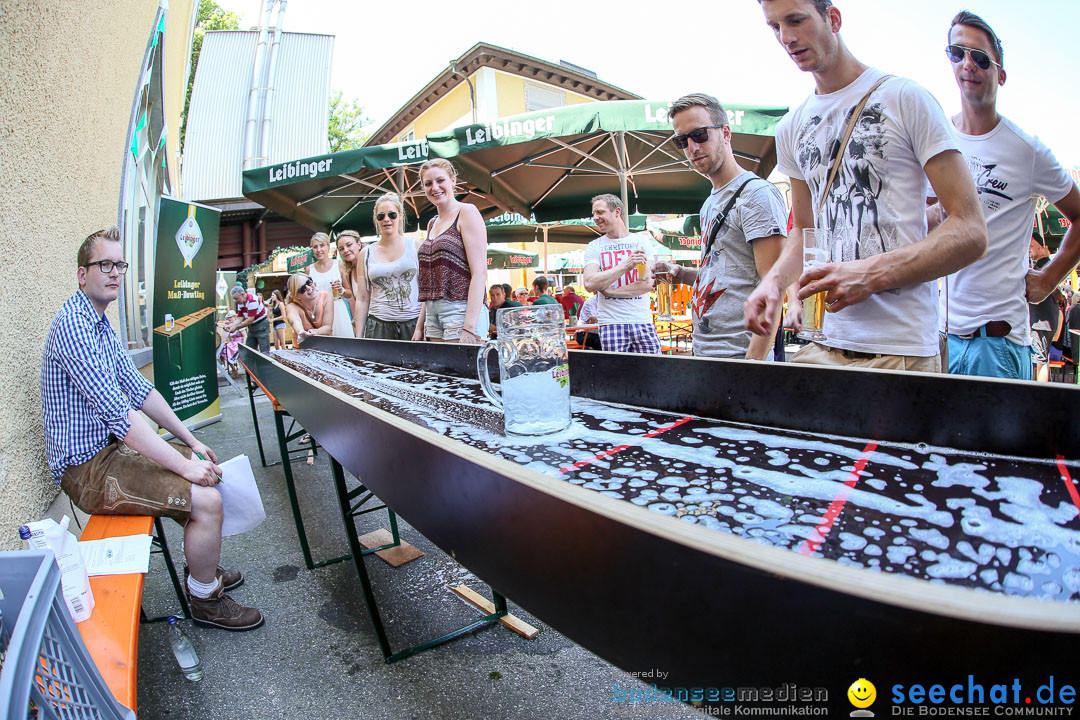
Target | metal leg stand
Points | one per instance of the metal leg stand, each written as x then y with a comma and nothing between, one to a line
251,387
358,552
162,546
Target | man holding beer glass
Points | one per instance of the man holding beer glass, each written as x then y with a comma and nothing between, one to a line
616,269
743,227
859,152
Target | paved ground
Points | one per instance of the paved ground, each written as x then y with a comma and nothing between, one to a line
317,656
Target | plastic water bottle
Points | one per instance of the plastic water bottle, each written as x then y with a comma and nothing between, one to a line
184,651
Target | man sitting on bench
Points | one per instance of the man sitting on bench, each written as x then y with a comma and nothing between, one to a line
107,458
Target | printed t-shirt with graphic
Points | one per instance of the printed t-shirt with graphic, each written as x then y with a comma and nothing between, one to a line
1010,168
729,274
876,203
607,254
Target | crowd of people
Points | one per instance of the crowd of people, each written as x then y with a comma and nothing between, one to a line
928,220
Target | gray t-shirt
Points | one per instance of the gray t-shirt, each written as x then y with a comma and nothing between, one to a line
728,275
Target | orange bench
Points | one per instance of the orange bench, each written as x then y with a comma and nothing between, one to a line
111,633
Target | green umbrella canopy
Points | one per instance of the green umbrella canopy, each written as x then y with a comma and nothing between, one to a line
1052,226
338,191
512,227
551,163
511,259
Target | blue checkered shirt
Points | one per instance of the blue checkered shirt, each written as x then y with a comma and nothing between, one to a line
88,385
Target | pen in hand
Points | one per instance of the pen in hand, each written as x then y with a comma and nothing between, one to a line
219,478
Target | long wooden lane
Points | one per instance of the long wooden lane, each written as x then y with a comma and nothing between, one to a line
1000,524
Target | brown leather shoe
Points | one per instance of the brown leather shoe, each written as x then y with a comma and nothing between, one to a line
230,578
221,611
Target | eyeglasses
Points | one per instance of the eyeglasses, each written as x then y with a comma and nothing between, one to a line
106,266
309,284
382,216
699,136
956,54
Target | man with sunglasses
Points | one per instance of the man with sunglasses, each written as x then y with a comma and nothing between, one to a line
866,191
984,306
252,315
107,458
743,222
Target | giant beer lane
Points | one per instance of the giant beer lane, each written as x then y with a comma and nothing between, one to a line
1006,525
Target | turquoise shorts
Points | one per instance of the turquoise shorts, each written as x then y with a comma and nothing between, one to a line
990,357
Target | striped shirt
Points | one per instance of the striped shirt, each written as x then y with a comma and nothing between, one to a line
88,385
251,307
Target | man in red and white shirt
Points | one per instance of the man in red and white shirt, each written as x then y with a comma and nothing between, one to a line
611,263
252,315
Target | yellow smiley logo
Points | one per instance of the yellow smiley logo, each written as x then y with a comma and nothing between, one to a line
862,693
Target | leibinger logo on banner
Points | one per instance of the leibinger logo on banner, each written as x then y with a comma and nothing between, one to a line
299,169
189,237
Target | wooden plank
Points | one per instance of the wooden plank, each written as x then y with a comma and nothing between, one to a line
111,633
484,605
395,556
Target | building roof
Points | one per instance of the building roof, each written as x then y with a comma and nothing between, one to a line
485,55
217,118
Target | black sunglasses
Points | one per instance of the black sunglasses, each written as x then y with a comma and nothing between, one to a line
106,266
699,136
382,216
956,54
305,286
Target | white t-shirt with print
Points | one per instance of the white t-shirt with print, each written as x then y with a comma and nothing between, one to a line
877,202
1010,168
606,253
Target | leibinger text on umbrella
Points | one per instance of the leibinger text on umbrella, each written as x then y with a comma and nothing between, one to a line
659,114
300,168
508,129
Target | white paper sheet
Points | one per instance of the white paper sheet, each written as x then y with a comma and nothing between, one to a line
240,499
116,555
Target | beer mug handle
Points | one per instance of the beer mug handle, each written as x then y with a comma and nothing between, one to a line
482,372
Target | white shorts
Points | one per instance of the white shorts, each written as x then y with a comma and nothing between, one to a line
444,319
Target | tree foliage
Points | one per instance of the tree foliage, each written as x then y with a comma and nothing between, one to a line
347,130
210,16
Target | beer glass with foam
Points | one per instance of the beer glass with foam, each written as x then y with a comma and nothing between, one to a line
815,252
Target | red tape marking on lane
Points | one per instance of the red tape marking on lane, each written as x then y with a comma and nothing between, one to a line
1069,483
620,448
837,505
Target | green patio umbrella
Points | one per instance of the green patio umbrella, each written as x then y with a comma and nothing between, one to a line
338,191
549,164
498,259
1051,224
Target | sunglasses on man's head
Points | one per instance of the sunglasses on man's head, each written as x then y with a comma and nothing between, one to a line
699,136
956,54
382,216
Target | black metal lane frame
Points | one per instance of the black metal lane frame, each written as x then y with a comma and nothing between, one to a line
646,591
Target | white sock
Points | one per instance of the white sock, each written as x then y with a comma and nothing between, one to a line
201,590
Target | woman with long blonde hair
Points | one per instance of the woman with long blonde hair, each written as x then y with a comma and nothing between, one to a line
386,291
308,311
453,263
327,277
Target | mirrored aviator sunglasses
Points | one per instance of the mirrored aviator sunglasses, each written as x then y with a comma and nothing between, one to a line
956,54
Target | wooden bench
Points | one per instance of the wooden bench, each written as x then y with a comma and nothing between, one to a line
111,633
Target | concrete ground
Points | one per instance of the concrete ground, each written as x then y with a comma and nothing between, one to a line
317,656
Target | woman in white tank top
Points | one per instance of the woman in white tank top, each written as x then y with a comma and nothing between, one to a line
327,277
387,304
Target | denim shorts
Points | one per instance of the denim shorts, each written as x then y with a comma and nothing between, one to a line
444,320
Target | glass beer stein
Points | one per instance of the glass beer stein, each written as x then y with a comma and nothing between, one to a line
533,369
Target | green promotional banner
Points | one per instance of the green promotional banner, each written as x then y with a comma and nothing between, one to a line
185,265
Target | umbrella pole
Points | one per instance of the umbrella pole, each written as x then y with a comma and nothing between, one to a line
545,250
622,174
